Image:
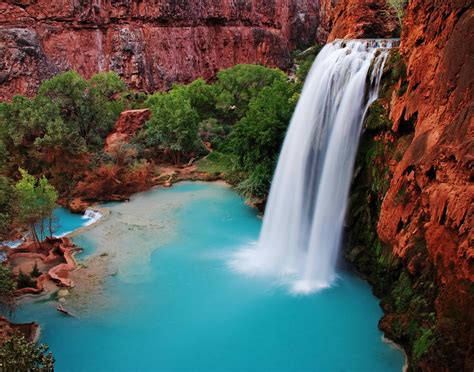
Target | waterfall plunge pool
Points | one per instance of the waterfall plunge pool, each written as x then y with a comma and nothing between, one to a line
170,302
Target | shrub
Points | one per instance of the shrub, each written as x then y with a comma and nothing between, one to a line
25,281
19,354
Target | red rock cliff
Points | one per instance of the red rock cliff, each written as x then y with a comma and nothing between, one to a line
430,199
150,43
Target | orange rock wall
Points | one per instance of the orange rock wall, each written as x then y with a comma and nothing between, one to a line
154,43
436,170
151,44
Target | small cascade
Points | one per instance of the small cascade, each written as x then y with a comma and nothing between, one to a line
91,216
303,222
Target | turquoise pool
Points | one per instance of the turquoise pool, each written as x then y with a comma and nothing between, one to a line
173,304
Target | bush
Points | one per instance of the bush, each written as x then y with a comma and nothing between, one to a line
173,126
423,343
257,138
35,273
257,184
237,86
399,7
25,281
19,354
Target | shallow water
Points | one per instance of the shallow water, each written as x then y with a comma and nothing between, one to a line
180,307
64,222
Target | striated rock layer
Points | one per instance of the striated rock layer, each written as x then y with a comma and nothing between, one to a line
151,44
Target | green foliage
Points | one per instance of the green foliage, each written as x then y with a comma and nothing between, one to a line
200,95
174,124
3,156
7,290
7,193
236,86
399,7
257,183
423,343
257,138
403,292
36,200
19,354
304,60
377,118
85,108
25,281
213,131
220,164
35,273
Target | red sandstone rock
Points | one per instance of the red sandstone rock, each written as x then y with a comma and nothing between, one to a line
7,330
360,19
128,123
77,205
151,44
435,174
58,252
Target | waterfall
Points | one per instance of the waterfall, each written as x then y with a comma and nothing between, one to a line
91,216
303,223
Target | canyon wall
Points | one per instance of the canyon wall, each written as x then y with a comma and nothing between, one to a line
154,43
431,194
413,237
151,43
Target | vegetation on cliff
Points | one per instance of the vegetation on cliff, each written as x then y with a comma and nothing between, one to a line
408,285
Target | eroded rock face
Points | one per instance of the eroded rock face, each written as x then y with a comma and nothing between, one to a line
127,125
151,44
430,199
361,19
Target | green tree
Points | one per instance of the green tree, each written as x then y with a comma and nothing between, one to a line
201,96
7,194
84,107
257,138
399,7
7,290
19,354
173,126
236,86
35,203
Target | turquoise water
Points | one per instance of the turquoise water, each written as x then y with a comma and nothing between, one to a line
180,307
64,222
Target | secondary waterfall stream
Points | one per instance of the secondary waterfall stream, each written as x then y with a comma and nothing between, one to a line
303,222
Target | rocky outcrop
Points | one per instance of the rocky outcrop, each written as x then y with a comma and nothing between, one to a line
151,44
57,254
7,329
431,194
414,187
127,125
361,19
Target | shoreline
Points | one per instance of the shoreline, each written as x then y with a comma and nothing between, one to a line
400,348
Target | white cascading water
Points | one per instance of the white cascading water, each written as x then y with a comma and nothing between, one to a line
304,218
91,216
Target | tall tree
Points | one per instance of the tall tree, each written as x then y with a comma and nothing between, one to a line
35,203
173,126
237,86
